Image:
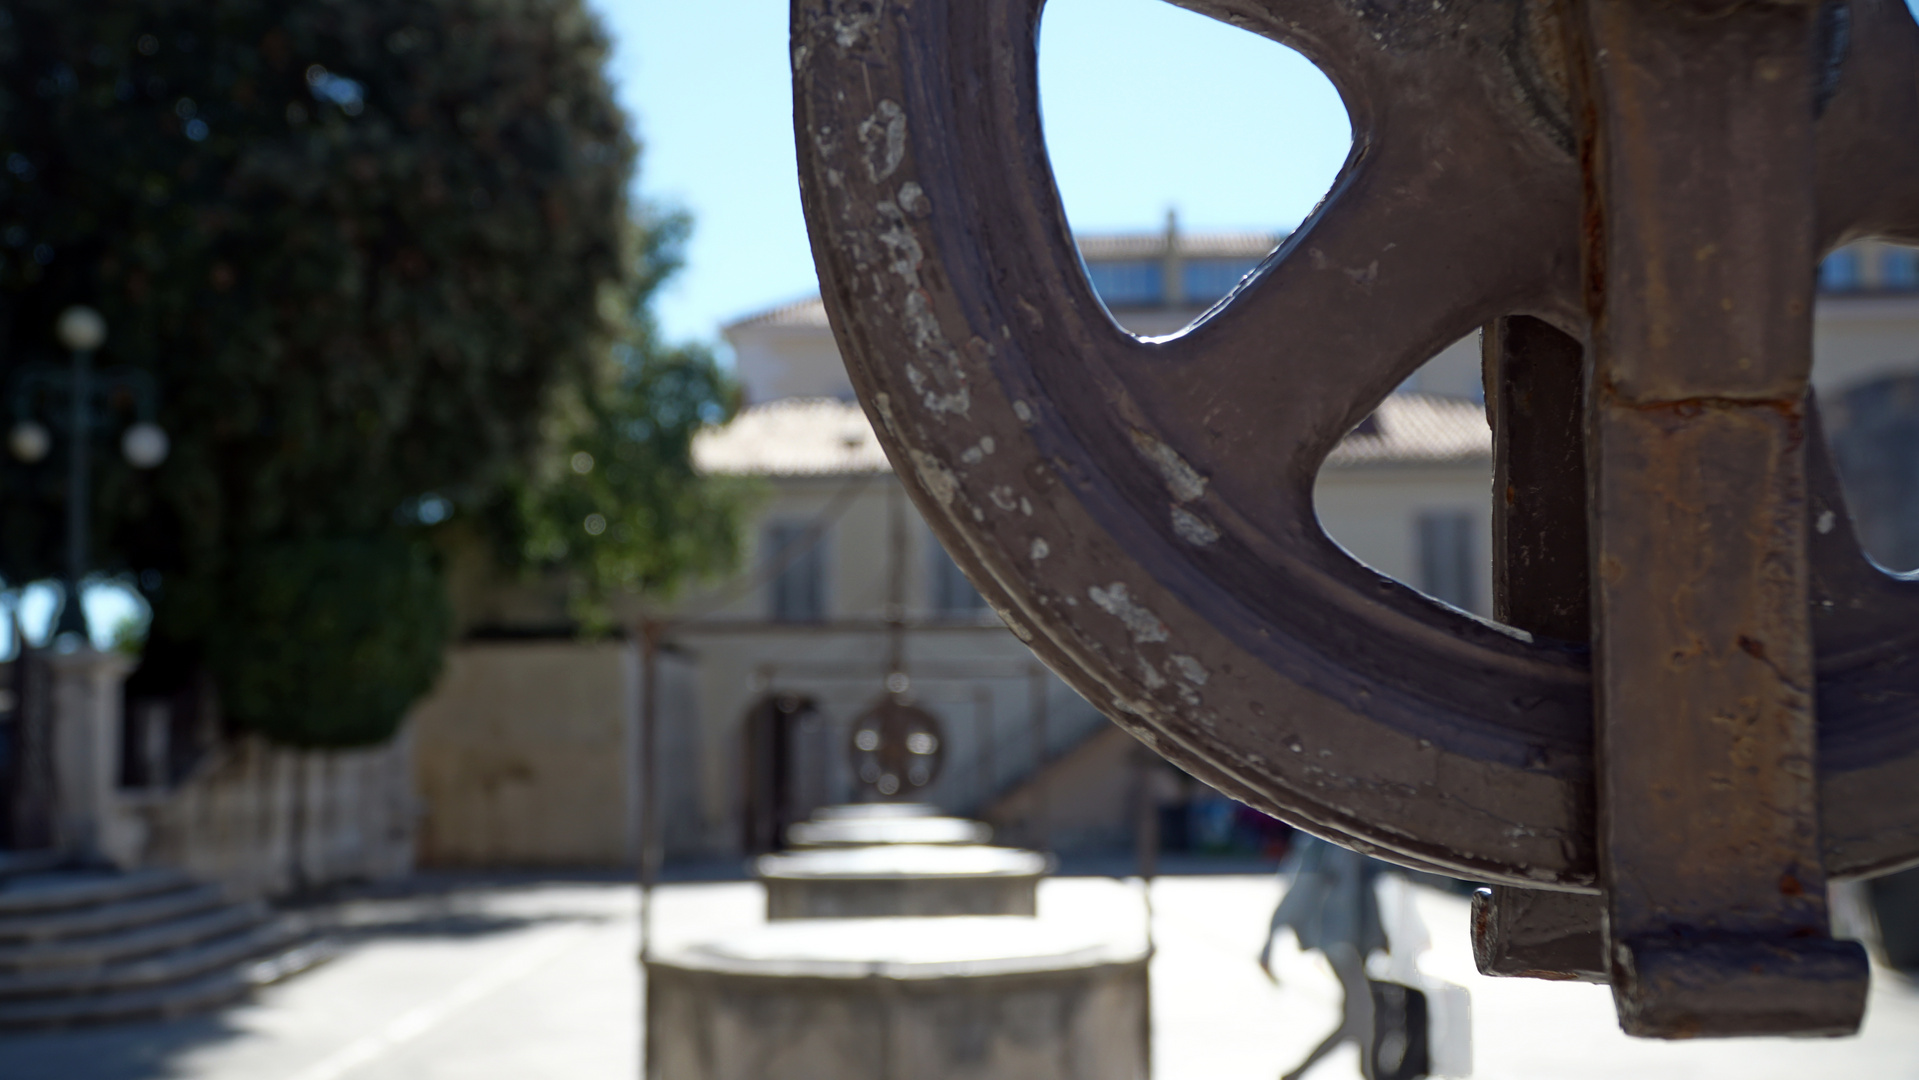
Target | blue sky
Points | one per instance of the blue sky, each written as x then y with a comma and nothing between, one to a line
1147,108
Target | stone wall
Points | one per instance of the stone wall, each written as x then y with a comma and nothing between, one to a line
261,820
266,821
526,755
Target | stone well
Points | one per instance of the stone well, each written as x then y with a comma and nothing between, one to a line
901,880
992,998
885,823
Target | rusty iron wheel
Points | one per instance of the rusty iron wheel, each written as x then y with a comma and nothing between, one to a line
1140,511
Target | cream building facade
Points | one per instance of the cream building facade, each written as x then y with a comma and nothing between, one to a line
845,586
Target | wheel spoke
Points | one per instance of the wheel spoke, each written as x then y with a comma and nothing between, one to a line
1455,207
1271,382
1869,135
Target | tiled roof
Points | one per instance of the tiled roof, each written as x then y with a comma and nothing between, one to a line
792,437
825,437
808,312
1410,429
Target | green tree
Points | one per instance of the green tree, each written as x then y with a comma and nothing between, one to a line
377,255
620,510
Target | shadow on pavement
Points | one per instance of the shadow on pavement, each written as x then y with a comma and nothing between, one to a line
445,905
132,1051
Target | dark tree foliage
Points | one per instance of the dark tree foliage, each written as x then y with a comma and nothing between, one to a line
300,614
619,510
360,245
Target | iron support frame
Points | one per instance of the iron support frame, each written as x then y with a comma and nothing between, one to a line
1733,725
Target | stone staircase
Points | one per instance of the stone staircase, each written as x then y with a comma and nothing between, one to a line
87,945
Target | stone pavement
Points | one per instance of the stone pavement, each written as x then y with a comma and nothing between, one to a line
533,980
1217,1018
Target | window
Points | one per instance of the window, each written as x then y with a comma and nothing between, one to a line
1127,284
1840,272
1899,270
953,595
1448,562
1207,280
798,589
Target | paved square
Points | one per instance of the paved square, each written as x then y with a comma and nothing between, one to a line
535,980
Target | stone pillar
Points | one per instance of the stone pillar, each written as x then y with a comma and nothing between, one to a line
86,755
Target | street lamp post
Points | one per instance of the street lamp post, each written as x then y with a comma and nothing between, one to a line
87,394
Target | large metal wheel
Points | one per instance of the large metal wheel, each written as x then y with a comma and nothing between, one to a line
1140,511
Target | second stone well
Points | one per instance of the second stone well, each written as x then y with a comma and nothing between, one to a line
902,880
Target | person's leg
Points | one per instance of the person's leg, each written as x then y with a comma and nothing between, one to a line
1356,1013
1332,1041
1359,1021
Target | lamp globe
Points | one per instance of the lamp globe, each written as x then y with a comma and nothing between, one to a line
144,445
81,328
29,441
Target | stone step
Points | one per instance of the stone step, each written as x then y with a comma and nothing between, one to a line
15,864
172,967
218,987
102,949
43,891
106,918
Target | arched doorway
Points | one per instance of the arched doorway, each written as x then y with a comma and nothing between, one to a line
781,732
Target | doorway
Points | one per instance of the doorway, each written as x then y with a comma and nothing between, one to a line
783,734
